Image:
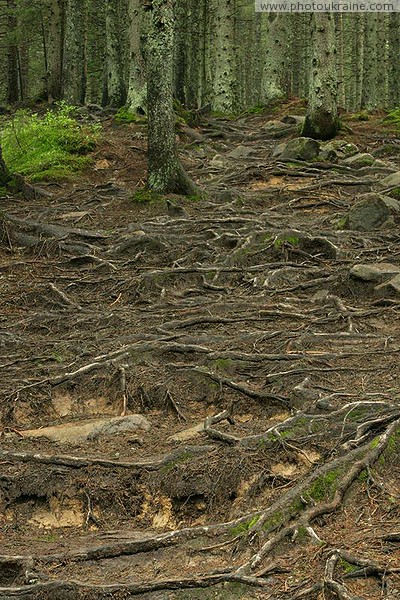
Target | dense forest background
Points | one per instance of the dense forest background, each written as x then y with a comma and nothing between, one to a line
226,55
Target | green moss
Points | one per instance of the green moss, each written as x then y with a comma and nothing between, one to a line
347,567
49,147
395,193
290,239
124,115
363,476
360,116
223,364
341,223
273,522
243,527
394,117
181,458
323,486
374,442
145,196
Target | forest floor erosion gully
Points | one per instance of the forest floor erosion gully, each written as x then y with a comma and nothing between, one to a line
200,399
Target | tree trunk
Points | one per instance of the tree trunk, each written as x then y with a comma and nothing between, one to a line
165,172
55,50
136,100
116,89
274,40
394,63
223,100
4,172
12,55
321,119
370,67
74,72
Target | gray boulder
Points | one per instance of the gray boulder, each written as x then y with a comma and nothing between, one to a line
373,211
390,181
376,272
337,149
301,148
359,160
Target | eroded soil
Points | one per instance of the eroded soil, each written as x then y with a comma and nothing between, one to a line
268,374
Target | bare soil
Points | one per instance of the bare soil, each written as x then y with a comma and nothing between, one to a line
268,374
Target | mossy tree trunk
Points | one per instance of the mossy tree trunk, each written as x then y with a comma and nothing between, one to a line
321,119
165,171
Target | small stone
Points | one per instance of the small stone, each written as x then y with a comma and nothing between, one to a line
374,271
241,152
293,119
338,148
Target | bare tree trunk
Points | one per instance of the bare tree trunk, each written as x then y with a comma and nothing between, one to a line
275,40
321,119
165,171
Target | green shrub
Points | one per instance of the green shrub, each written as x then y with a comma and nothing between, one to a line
49,147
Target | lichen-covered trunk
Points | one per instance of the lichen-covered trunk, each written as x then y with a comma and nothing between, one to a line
165,172
74,59
322,119
274,39
55,42
369,97
116,88
353,49
223,45
136,98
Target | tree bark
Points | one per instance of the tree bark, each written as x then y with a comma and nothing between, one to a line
321,119
274,36
165,171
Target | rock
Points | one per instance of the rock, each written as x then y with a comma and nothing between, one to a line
91,430
359,160
277,129
293,119
301,149
278,150
241,152
218,161
390,181
389,287
187,434
373,211
337,148
374,271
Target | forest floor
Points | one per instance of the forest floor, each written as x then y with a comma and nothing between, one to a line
266,461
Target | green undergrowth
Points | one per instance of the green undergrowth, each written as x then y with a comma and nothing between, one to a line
145,196
52,146
394,117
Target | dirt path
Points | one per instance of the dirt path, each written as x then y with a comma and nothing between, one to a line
266,461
